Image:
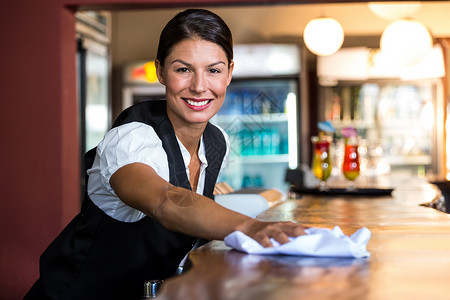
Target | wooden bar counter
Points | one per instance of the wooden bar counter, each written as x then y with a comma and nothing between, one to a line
410,254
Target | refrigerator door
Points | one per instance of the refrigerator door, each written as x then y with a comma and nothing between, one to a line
94,95
260,118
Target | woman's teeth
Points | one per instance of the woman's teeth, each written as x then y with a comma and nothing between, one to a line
196,103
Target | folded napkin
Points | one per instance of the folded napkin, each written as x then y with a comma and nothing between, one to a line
321,242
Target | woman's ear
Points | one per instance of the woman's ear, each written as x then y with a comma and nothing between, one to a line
159,72
230,72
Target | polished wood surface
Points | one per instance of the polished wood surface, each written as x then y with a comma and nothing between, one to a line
410,254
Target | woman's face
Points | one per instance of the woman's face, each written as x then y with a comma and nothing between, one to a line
196,74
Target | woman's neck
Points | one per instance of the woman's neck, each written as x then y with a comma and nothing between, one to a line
189,138
189,135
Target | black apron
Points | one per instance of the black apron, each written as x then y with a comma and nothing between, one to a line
99,257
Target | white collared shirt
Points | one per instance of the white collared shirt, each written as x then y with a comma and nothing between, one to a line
134,142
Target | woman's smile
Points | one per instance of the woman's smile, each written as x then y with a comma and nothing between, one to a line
197,104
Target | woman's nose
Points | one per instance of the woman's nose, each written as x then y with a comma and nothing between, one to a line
198,84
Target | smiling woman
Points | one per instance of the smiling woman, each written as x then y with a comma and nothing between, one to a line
151,178
196,75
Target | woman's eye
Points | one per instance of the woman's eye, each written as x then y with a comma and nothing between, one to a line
182,70
214,71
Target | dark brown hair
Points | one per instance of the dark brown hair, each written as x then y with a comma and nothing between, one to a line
195,23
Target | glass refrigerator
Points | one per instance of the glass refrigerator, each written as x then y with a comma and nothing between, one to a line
93,78
260,116
257,116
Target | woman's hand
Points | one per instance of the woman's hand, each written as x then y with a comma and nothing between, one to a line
262,232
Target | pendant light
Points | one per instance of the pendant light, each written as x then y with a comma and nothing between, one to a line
323,36
405,41
394,10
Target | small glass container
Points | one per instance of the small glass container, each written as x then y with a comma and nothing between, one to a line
151,288
321,162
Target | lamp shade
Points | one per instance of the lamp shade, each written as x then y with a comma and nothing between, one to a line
405,41
393,10
323,36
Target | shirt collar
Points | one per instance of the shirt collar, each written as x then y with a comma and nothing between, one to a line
187,156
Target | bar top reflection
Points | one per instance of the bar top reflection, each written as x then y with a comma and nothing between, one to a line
410,254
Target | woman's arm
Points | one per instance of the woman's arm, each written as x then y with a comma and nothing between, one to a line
181,210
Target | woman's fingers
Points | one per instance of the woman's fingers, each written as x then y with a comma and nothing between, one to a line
279,231
265,242
294,230
280,237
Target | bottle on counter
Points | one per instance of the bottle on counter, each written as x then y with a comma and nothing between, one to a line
151,288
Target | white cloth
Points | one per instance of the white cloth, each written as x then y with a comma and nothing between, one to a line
130,143
321,242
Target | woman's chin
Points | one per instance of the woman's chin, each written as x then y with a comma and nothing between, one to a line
200,119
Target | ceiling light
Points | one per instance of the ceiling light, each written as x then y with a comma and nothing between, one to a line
323,36
405,41
394,9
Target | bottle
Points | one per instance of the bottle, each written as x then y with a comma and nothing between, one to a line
266,141
246,142
275,142
246,181
257,142
151,288
258,181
